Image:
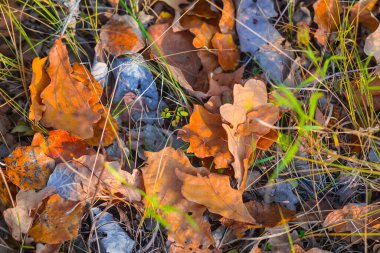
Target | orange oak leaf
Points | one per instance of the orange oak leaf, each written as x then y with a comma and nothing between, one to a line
40,80
228,53
18,218
227,21
61,145
181,56
327,18
207,137
29,167
215,193
160,180
121,35
59,222
67,100
362,12
203,35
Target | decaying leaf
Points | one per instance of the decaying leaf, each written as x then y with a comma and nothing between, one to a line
215,193
67,100
29,167
354,218
228,53
181,56
362,12
249,118
327,17
121,35
59,222
269,215
160,180
372,44
370,97
17,218
60,145
40,80
207,137
258,37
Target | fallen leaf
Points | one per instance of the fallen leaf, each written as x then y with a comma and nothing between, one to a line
29,167
372,44
121,35
362,12
227,21
203,35
354,218
327,18
5,195
40,80
258,37
67,100
228,53
180,54
60,145
370,97
269,215
17,218
215,193
221,82
59,222
204,9
207,137
160,180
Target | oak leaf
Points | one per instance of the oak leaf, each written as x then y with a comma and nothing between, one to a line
67,100
59,222
160,180
40,80
121,35
203,35
29,168
207,137
215,193
269,215
327,18
18,218
227,21
228,53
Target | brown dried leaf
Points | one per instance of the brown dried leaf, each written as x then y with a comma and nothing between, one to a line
161,180
29,167
269,215
362,12
121,35
327,18
40,80
181,56
228,53
59,222
372,44
207,137
215,193
17,218
67,100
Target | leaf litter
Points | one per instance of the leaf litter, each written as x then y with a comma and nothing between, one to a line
195,129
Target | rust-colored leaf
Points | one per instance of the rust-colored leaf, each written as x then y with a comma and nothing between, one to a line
207,137
67,100
59,222
227,21
203,35
214,192
181,56
327,18
228,53
362,12
160,180
40,80
121,35
61,145
29,167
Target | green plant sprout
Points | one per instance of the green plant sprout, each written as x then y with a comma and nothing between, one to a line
177,114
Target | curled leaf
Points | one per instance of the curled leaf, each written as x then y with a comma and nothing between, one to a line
228,53
40,80
327,17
